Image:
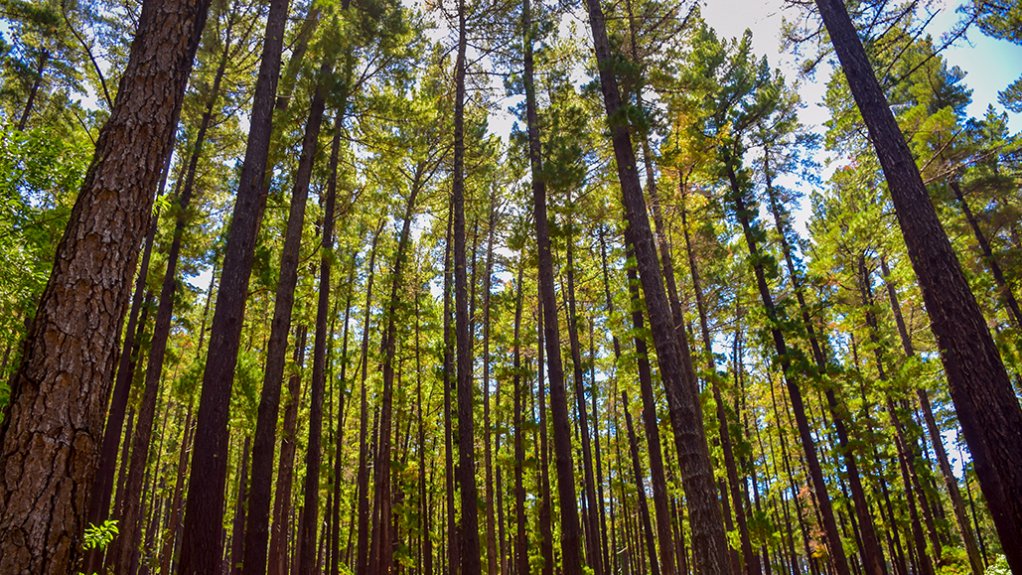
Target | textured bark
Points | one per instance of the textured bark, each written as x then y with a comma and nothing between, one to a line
980,388
130,523
570,545
282,509
709,539
54,422
202,544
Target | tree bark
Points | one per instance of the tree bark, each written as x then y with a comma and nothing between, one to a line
709,539
570,544
282,508
202,544
980,388
53,424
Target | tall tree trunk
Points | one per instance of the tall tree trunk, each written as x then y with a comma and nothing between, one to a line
814,470
174,521
453,557
383,538
950,481
130,524
570,544
470,561
424,509
709,539
491,540
872,554
313,452
984,399
362,480
202,544
546,532
591,515
521,536
661,503
640,489
238,529
750,559
102,486
51,430
257,527
282,509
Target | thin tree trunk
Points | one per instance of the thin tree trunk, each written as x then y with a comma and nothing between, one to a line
570,545
640,489
829,523
202,544
453,557
313,453
282,508
984,245
469,549
950,481
362,559
709,539
383,538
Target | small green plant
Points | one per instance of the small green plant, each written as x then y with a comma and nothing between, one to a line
97,537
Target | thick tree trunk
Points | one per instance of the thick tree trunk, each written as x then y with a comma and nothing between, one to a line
53,424
709,539
984,399
202,544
